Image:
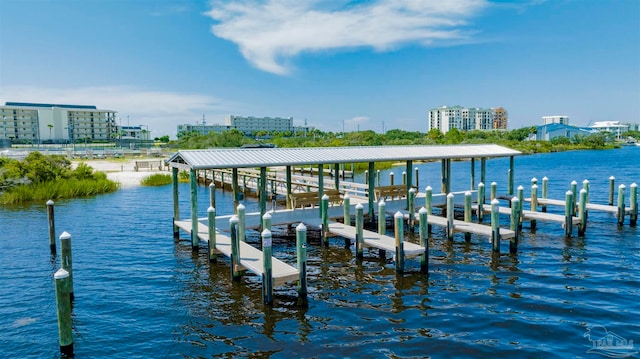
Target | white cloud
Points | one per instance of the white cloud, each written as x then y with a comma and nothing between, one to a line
161,111
271,32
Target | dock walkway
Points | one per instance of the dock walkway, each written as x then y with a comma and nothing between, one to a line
590,206
251,258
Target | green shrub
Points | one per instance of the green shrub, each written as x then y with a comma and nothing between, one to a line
158,179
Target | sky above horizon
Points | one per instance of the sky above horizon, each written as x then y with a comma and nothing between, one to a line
334,64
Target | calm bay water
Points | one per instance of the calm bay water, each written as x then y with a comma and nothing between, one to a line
139,294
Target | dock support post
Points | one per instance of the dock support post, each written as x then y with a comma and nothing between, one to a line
378,177
267,274
483,169
450,225
404,177
262,191
473,173
234,186
633,203
235,249
534,203
382,222
366,177
428,203
371,190
176,206
320,181
520,194
417,175
574,190
194,210
324,214
67,260
424,241
582,212
266,221
52,226
621,208
241,211
408,180
359,231
494,191
612,181
545,187
412,209
346,205
467,213
510,176
336,177
391,181
212,194
446,175
495,225
399,234
568,214
63,305
515,224
301,250
288,179
211,221
481,197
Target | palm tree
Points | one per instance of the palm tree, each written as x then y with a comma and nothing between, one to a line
50,128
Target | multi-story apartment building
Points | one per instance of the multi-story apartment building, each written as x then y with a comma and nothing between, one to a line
247,125
445,118
54,123
563,120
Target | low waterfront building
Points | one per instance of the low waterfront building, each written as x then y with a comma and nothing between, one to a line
548,132
35,123
248,125
614,127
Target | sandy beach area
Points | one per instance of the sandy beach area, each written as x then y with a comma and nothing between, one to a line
122,171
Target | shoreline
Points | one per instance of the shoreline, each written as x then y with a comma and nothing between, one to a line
121,171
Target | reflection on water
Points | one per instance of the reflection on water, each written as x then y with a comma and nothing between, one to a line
140,294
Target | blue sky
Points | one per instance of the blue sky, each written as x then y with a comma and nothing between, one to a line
336,64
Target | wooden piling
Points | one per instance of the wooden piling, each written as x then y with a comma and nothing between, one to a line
515,224
193,179
370,191
266,221
399,235
63,306
612,181
346,205
545,186
366,177
424,241
66,259
582,212
404,177
241,211
416,174
621,208
211,224
574,190
473,173
495,225
450,225
235,249
480,212
568,214
359,231
467,213
212,194
520,195
494,191
633,204
378,178
267,276
534,203
324,214
52,226
412,210
391,178
301,250
511,175
382,222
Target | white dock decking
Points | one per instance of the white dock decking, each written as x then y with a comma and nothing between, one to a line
250,257
540,216
590,206
372,239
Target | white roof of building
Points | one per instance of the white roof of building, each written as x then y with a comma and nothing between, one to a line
600,124
270,157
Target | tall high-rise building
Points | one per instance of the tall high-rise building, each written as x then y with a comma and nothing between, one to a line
445,118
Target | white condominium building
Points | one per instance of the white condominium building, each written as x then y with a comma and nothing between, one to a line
36,123
445,118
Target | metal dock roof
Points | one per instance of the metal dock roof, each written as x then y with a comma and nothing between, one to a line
269,157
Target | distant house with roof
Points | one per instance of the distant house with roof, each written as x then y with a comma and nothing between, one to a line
554,130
